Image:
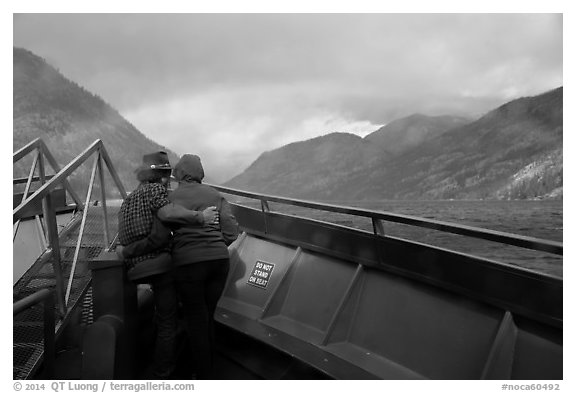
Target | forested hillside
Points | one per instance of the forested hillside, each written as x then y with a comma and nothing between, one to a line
513,152
69,118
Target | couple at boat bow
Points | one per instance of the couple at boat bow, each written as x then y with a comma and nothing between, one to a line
178,244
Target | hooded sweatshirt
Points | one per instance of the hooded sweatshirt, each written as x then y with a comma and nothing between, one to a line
197,244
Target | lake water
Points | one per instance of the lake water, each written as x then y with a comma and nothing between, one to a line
539,219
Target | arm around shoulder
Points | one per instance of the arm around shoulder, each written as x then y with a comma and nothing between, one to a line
158,238
228,224
179,215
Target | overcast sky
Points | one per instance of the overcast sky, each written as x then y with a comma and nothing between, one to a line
230,86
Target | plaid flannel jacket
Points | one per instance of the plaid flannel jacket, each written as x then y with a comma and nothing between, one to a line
137,214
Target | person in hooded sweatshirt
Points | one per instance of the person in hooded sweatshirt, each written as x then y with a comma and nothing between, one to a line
201,260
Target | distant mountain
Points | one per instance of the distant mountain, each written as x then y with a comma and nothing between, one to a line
482,160
513,152
320,166
403,134
69,118
312,167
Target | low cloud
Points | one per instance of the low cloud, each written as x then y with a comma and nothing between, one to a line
230,129
231,86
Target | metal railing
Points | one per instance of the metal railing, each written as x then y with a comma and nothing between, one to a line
41,154
45,296
43,193
379,218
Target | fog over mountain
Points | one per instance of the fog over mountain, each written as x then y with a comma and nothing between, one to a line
69,118
513,152
229,86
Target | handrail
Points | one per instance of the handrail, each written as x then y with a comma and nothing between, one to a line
65,182
30,177
22,152
61,176
31,300
81,232
61,295
28,182
532,243
22,180
58,178
38,144
113,172
45,296
43,193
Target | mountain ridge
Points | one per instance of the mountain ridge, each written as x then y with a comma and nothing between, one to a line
480,159
69,118
404,133
512,152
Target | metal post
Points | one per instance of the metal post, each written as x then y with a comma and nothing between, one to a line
112,243
104,209
56,168
116,310
30,176
52,228
112,171
15,229
25,195
81,233
41,233
49,339
265,209
378,228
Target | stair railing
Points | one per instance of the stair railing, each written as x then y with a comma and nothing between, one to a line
42,153
43,296
97,150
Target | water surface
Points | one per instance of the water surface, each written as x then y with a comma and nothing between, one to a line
539,219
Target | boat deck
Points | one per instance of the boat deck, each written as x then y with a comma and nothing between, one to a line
304,299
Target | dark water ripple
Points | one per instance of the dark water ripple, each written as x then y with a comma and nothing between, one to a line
539,219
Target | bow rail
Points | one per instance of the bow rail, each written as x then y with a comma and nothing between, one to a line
378,218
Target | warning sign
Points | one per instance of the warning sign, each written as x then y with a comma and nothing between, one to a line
261,274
